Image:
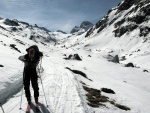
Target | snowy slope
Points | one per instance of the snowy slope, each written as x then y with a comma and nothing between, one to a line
64,91
75,86
59,91
124,31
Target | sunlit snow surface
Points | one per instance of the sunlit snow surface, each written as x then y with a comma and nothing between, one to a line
63,89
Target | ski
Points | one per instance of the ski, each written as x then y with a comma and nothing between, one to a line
37,108
28,108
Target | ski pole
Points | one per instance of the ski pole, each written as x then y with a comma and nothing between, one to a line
21,99
42,83
2,108
43,92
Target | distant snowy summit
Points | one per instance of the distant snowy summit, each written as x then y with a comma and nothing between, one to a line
82,28
33,32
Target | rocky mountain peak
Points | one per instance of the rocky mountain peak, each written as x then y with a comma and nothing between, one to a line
11,22
84,26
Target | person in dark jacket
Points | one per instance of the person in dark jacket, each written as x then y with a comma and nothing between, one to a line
31,60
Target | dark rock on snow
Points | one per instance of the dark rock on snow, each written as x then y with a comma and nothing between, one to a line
123,58
77,57
124,29
89,32
1,27
117,24
144,31
11,22
96,99
122,107
14,29
129,65
19,41
73,57
116,59
1,65
14,47
113,59
145,70
106,90
125,5
79,72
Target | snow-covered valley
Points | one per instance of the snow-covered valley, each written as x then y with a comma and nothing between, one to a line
63,89
104,70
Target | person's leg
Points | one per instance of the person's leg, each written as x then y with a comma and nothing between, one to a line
26,82
34,81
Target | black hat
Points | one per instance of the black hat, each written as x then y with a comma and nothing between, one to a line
35,47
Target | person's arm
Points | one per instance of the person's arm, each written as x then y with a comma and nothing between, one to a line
22,58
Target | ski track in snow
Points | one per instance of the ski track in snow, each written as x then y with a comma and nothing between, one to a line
64,92
61,92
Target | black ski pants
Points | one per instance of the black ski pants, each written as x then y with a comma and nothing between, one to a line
30,74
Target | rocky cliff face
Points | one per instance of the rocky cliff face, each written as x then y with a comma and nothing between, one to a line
125,18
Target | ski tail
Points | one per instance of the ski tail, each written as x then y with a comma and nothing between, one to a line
37,108
37,105
28,108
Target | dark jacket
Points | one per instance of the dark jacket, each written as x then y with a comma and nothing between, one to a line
31,63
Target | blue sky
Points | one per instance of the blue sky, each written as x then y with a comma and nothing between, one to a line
56,14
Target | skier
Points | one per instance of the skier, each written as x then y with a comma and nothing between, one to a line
31,60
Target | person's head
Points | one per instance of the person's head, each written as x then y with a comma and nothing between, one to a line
36,51
31,52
